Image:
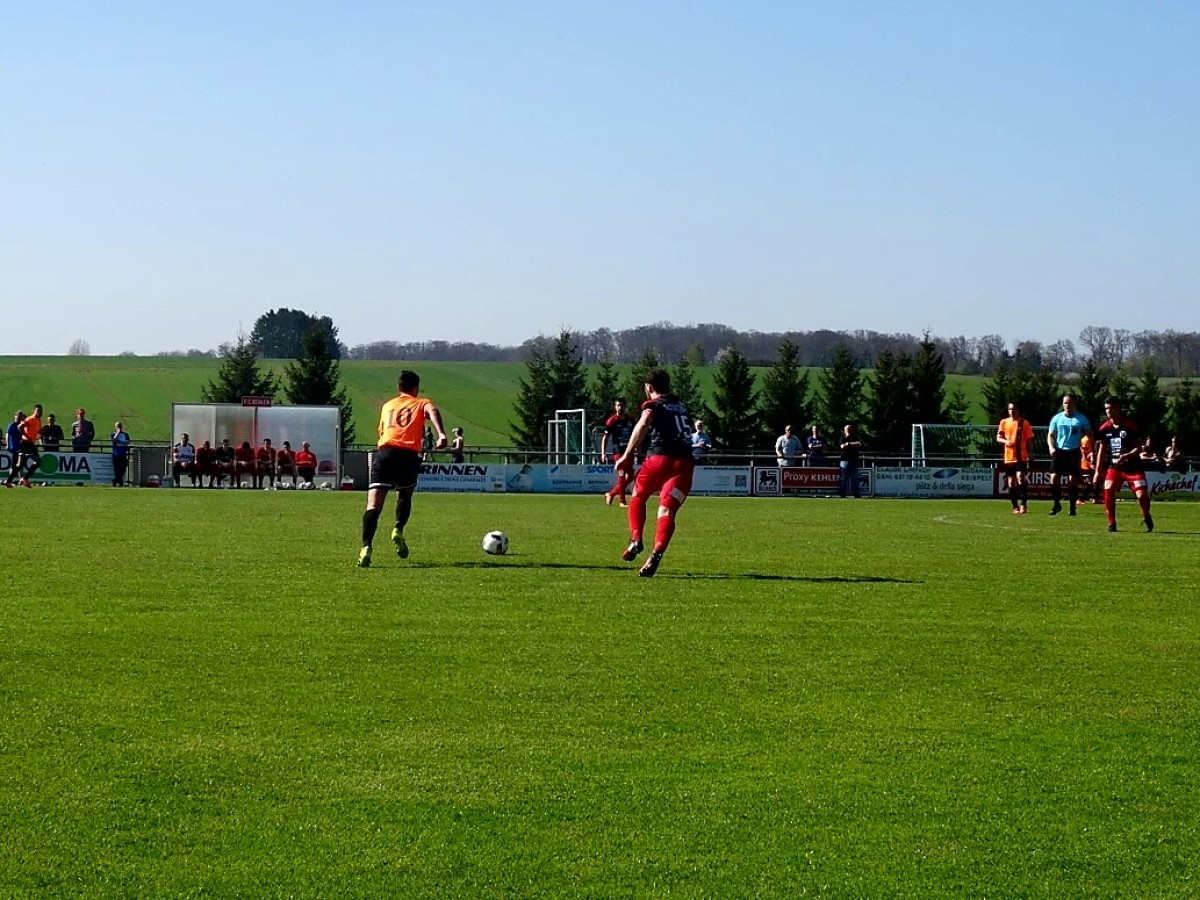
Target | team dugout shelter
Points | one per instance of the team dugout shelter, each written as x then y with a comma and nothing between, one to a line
214,422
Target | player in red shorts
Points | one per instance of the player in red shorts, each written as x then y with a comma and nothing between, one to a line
666,429
617,430
1118,443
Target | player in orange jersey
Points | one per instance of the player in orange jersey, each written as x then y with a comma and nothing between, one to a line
1015,434
31,430
397,461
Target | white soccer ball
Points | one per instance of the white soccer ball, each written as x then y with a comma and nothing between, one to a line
495,543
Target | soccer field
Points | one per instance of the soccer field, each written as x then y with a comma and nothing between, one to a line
202,696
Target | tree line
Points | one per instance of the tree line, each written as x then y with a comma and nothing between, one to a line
745,412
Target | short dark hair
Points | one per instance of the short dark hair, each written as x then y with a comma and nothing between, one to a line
1110,400
659,379
409,382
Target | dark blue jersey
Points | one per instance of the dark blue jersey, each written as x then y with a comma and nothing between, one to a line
1121,438
618,429
670,427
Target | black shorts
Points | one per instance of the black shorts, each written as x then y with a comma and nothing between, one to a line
395,467
1013,467
1066,462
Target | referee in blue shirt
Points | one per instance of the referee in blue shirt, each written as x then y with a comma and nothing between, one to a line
1067,429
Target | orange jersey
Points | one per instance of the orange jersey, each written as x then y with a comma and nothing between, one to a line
1021,433
1085,453
31,428
402,422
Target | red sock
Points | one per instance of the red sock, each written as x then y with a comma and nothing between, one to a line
1110,505
663,533
637,517
619,488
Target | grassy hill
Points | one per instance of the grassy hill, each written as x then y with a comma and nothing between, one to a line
140,390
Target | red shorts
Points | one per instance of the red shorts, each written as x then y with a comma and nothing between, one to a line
1114,478
668,476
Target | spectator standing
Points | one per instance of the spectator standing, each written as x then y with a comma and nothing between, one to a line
52,434
787,448
816,447
120,453
427,445
701,442
13,446
306,462
1174,458
83,432
183,459
456,447
849,462
1151,461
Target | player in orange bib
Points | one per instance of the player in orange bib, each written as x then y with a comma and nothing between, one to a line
1015,435
397,460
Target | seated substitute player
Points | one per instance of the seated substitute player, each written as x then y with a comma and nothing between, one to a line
1015,434
397,461
264,465
285,462
1064,439
243,463
666,428
306,463
1118,460
206,463
225,463
183,459
617,429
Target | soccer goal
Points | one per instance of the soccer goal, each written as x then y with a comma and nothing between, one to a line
568,442
956,445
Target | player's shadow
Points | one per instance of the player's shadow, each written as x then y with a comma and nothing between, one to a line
709,576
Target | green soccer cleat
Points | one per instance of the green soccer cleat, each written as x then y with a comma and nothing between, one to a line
364,558
401,544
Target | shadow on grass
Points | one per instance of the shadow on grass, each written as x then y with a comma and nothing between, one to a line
632,568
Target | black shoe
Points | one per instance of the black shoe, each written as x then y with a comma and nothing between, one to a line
632,551
1112,527
650,566
1148,524
1055,509
1072,512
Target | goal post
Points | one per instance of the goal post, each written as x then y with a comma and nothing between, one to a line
567,438
938,445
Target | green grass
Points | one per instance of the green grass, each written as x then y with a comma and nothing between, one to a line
201,696
140,390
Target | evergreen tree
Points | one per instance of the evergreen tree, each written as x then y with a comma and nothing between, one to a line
1185,416
929,385
604,391
314,380
1148,407
840,400
554,380
685,387
281,334
890,408
785,394
239,376
733,419
1090,391
1122,387
635,381
1037,393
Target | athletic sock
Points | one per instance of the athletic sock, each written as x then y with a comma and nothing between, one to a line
1072,494
663,532
403,510
1110,505
637,517
1056,493
370,521
1144,503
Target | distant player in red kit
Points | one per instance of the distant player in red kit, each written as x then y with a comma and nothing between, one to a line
617,430
666,428
1118,443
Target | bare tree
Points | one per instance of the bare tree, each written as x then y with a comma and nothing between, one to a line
79,347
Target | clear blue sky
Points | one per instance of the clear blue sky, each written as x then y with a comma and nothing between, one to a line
489,171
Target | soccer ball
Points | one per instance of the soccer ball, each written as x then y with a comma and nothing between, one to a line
495,543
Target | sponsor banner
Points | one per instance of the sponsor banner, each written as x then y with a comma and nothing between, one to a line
68,468
543,479
462,477
799,481
934,483
724,481
1172,484
1160,484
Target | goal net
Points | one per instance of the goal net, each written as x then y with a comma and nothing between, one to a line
957,445
567,438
